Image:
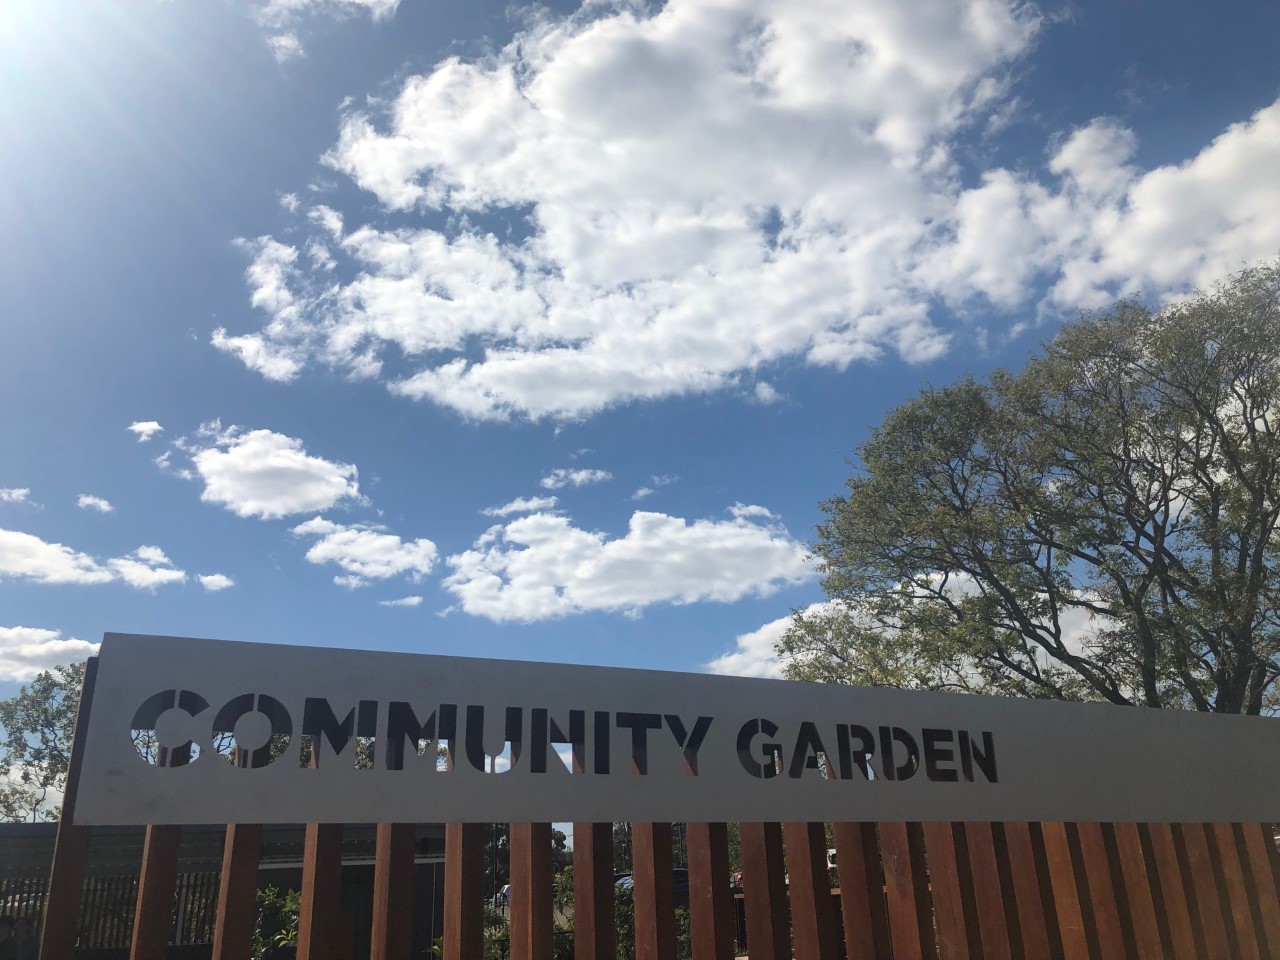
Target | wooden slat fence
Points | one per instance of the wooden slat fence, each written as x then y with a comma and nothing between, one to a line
909,891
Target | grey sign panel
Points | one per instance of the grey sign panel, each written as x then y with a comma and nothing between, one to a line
206,731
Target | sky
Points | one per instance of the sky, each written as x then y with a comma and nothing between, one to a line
541,332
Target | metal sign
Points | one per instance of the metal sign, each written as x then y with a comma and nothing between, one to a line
208,731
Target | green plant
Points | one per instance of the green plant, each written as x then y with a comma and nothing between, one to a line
276,929
624,915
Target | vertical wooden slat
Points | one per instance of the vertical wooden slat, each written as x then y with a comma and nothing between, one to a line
71,846
392,935
710,897
765,891
653,891
813,918
1101,890
1257,840
993,921
153,915
237,889
1171,906
97,921
1204,888
862,906
319,932
66,882
531,928
946,883
1066,893
1137,892
1223,836
594,932
463,881
906,889
1027,881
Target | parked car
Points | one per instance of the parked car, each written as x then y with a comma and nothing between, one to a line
503,897
679,881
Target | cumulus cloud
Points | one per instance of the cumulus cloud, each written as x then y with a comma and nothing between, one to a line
23,555
14,494
260,473
147,567
145,429
754,653
87,501
766,393
26,651
213,582
522,505
26,556
402,602
715,187
541,566
564,477
367,552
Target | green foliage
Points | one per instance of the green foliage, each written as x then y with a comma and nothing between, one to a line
1099,526
562,892
36,727
275,931
497,934
624,914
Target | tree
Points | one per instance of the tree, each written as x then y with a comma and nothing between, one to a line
35,744
1099,526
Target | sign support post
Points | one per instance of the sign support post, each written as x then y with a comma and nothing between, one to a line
71,848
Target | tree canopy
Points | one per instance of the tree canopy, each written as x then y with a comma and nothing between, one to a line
36,727
1098,526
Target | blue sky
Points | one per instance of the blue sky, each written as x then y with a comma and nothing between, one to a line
388,277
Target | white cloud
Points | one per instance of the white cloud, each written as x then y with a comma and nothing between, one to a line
521,505
715,187
165,463
402,602
744,511
367,552
278,12
25,556
766,393
26,651
213,582
146,568
282,17
260,473
754,654
87,501
563,477
541,566
145,429
14,494
285,47
656,481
